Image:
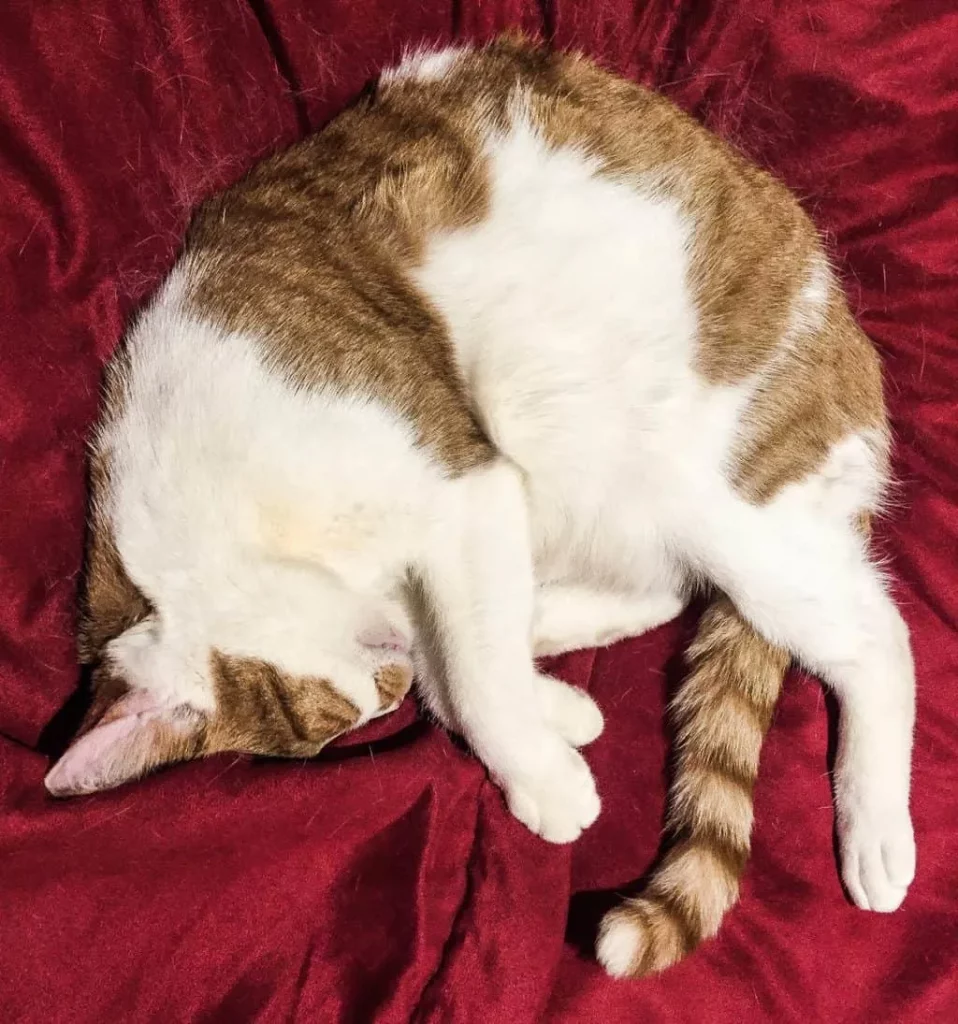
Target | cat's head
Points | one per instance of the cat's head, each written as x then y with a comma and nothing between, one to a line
279,667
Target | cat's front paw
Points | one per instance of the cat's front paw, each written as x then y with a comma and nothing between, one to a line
573,714
554,795
878,858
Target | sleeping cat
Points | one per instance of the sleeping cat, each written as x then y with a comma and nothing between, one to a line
504,362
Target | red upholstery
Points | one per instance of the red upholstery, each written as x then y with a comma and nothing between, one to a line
386,881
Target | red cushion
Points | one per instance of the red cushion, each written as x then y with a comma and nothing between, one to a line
386,881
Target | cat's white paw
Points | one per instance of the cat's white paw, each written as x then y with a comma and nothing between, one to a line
554,796
878,858
573,714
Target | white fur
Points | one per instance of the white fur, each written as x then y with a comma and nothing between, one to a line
620,945
569,618
266,520
424,65
808,311
571,712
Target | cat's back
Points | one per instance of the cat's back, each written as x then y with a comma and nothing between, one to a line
497,235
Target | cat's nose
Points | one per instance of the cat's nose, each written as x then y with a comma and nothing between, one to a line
384,638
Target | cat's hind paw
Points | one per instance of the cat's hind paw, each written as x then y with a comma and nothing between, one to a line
878,859
573,714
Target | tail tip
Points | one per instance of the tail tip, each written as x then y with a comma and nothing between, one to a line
643,936
620,944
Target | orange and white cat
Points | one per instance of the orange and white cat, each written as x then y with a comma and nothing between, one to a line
504,362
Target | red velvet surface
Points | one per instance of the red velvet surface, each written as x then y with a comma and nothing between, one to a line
386,881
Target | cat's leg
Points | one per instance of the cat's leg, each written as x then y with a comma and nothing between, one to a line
570,711
477,582
807,585
570,618
573,714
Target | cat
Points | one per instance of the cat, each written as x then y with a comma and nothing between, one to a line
508,360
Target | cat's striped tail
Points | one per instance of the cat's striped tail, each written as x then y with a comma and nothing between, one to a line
721,715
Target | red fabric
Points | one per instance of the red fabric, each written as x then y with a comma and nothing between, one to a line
386,881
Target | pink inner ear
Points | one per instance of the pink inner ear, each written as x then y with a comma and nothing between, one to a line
90,762
120,747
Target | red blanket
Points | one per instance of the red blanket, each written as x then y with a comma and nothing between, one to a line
386,881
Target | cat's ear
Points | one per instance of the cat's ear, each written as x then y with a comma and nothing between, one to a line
134,736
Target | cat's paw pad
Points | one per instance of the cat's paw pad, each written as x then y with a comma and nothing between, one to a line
573,714
556,799
878,859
